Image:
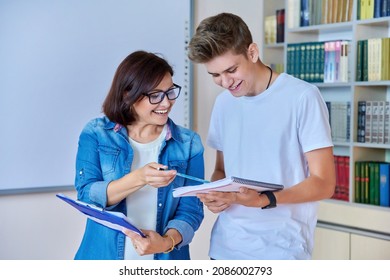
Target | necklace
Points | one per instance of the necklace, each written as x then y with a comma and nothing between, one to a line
270,77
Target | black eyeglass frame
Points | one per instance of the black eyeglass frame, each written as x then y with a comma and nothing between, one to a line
165,93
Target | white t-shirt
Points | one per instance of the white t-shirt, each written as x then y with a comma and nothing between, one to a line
142,205
264,138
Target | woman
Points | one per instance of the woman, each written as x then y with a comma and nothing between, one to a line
119,162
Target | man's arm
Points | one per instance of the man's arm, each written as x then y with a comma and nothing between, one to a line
319,185
219,169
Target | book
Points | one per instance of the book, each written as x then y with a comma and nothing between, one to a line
365,181
386,129
359,61
368,122
384,185
361,131
357,181
381,122
305,13
111,219
374,121
270,29
293,13
374,182
280,18
229,184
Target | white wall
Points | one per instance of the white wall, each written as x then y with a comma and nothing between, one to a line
40,226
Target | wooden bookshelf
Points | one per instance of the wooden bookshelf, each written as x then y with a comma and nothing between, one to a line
346,217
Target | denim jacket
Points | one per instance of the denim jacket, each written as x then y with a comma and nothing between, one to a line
105,154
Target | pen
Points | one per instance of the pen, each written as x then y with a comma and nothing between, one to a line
192,178
188,176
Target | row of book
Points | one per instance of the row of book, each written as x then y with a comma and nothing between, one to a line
373,122
327,62
274,27
342,178
315,12
367,9
373,59
340,120
372,180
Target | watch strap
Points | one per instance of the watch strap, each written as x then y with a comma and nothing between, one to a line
272,200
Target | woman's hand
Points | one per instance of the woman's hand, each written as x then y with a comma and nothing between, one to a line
154,174
151,244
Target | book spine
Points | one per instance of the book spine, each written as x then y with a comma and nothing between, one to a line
383,8
386,123
377,8
361,121
376,179
305,13
359,53
280,17
368,121
302,62
357,182
381,122
365,61
374,121
337,56
366,183
370,9
384,187
346,182
291,13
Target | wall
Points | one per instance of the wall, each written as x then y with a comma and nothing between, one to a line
40,226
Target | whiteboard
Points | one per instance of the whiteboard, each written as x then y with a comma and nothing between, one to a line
57,62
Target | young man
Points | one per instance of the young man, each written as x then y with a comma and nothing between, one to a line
269,127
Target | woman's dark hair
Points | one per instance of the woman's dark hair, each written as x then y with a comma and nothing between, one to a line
139,73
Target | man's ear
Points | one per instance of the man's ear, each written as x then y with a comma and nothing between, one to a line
253,52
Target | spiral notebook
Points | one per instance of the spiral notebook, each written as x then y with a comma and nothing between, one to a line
111,219
230,184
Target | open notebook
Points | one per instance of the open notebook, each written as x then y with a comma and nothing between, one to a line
111,219
230,184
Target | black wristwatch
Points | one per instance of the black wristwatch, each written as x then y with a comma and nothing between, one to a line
272,200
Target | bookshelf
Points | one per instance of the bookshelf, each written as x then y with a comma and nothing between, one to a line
358,220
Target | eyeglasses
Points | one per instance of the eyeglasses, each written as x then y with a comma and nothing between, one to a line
158,96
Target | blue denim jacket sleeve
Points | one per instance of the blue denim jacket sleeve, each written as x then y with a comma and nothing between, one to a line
89,182
189,213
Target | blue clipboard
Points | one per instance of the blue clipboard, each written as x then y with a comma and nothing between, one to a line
111,219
